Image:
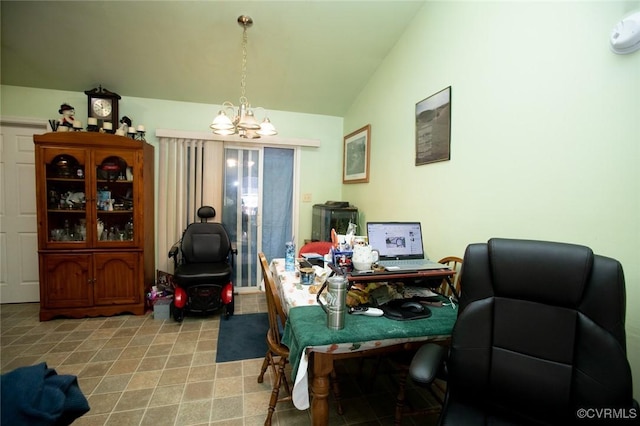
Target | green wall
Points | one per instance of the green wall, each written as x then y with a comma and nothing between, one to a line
545,132
320,172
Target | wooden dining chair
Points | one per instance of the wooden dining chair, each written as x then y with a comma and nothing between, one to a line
277,356
455,263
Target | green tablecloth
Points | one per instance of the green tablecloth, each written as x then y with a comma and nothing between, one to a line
306,327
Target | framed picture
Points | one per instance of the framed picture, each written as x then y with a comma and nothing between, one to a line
355,164
433,128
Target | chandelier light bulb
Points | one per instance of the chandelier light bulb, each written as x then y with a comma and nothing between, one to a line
248,121
266,128
222,122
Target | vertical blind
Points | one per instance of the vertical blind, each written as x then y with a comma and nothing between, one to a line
187,180
190,174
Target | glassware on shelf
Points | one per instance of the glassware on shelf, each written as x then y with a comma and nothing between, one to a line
66,234
81,230
129,230
54,199
100,228
56,234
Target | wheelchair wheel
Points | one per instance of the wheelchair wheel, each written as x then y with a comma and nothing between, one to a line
178,313
228,309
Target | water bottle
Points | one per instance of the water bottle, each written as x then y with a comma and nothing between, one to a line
336,308
290,257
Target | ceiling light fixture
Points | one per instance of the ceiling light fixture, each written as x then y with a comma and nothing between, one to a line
244,122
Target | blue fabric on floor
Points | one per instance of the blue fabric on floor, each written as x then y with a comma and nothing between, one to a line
242,337
37,395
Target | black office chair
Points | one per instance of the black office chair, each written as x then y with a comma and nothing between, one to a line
203,268
539,337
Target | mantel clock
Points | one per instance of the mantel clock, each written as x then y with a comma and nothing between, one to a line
102,105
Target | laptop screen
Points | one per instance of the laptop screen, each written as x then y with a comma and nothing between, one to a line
396,240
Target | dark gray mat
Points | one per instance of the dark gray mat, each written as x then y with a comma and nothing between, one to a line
242,337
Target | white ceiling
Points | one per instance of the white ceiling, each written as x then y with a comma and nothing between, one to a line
304,56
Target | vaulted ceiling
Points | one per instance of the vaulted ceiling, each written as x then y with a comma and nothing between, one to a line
305,56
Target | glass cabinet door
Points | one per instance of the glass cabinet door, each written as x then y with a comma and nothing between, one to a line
66,217
114,203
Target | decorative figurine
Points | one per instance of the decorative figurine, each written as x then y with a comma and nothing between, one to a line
67,112
125,123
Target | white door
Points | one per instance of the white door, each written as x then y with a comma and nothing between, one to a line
18,232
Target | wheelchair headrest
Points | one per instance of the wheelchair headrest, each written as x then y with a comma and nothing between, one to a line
206,212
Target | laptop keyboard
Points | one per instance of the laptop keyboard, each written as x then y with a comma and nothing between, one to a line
408,262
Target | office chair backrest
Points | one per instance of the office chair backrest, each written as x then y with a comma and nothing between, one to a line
540,331
205,242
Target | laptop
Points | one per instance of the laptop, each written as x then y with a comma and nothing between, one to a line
400,246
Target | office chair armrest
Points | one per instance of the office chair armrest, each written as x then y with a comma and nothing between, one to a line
174,252
427,362
233,251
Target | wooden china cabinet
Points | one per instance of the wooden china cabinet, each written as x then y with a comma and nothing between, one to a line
95,208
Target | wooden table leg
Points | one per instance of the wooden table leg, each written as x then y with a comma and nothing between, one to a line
322,367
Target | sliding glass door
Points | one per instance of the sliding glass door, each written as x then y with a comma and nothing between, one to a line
257,206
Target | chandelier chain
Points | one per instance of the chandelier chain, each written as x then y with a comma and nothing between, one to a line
243,83
242,121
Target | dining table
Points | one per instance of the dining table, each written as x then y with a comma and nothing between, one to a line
313,347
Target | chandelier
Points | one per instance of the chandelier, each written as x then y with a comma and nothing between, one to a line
244,122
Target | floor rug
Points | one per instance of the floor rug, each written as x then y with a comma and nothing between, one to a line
242,337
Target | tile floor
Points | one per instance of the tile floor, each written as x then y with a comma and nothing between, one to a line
136,370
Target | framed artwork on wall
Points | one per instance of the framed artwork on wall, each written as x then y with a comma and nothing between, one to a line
355,163
433,128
